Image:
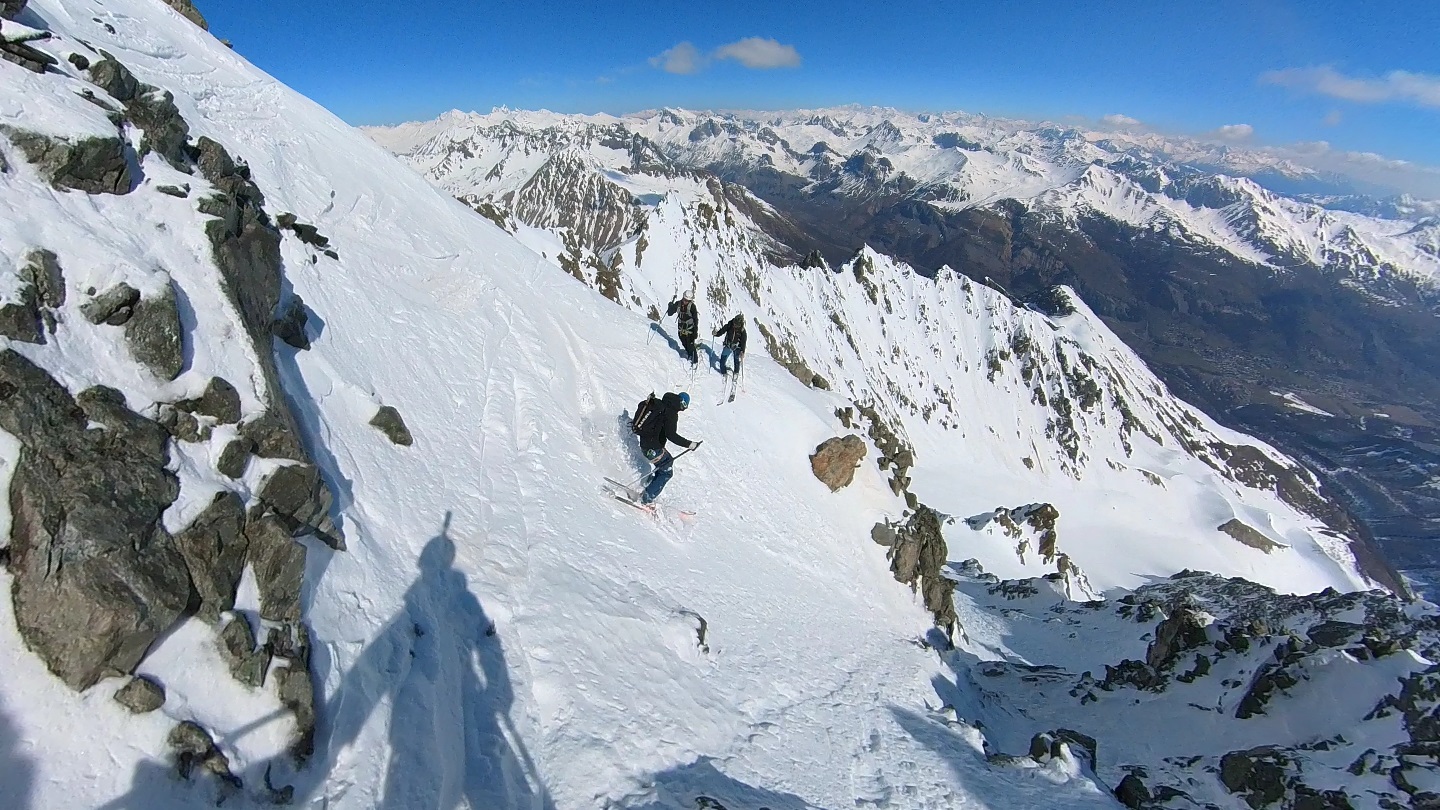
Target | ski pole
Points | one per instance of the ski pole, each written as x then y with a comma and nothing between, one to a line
673,458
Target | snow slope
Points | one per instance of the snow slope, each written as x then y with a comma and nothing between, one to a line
498,634
512,377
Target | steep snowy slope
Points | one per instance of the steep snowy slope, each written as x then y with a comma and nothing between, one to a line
483,627
495,633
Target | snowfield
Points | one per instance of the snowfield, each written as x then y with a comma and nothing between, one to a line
499,633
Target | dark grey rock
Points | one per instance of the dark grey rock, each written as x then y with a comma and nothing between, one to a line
248,664
114,78
1180,632
10,9
183,426
214,547
295,687
42,271
25,56
88,503
188,11
141,695
20,320
1258,775
1335,634
234,458
114,306
79,61
270,436
175,191
1248,535
298,496
193,747
220,401
883,534
154,334
917,559
835,460
1132,792
290,322
166,131
94,165
389,421
279,565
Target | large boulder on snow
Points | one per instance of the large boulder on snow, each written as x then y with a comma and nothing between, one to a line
389,422
141,695
1248,535
301,501
115,306
96,577
96,165
214,547
154,333
835,460
220,401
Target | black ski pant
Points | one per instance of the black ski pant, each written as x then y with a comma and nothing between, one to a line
688,341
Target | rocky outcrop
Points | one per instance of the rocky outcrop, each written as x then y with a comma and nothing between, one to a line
388,421
141,695
96,577
1257,775
300,500
234,458
95,165
247,664
1180,632
214,546
115,306
154,334
20,318
916,559
835,460
188,11
290,322
1248,536
279,565
10,9
194,748
293,684
220,401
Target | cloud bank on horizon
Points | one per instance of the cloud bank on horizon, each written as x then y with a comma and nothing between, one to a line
755,53
1396,86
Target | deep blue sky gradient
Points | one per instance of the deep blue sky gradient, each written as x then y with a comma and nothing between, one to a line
1184,67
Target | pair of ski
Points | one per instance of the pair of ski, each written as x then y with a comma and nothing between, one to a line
631,497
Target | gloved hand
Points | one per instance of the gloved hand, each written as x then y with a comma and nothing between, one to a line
694,446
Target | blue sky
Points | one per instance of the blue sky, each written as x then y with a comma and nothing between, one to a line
1366,80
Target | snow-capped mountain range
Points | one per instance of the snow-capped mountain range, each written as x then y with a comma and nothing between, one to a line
949,161
304,461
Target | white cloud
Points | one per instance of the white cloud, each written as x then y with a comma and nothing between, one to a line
1235,133
1419,89
1118,120
683,59
758,53
1333,118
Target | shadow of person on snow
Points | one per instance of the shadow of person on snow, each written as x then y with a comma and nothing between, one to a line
440,664
701,785
17,771
674,343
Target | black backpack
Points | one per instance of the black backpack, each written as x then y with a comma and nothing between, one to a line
647,415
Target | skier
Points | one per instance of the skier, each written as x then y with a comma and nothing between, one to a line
734,333
688,321
656,431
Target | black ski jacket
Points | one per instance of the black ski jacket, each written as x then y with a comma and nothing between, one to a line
734,333
689,320
665,424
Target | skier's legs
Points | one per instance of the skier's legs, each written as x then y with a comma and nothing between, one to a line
664,469
725,354
688,341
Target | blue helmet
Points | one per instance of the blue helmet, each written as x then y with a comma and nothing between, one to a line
684,400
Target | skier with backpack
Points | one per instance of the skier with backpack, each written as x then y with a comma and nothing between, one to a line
655,423
734,333
688,322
